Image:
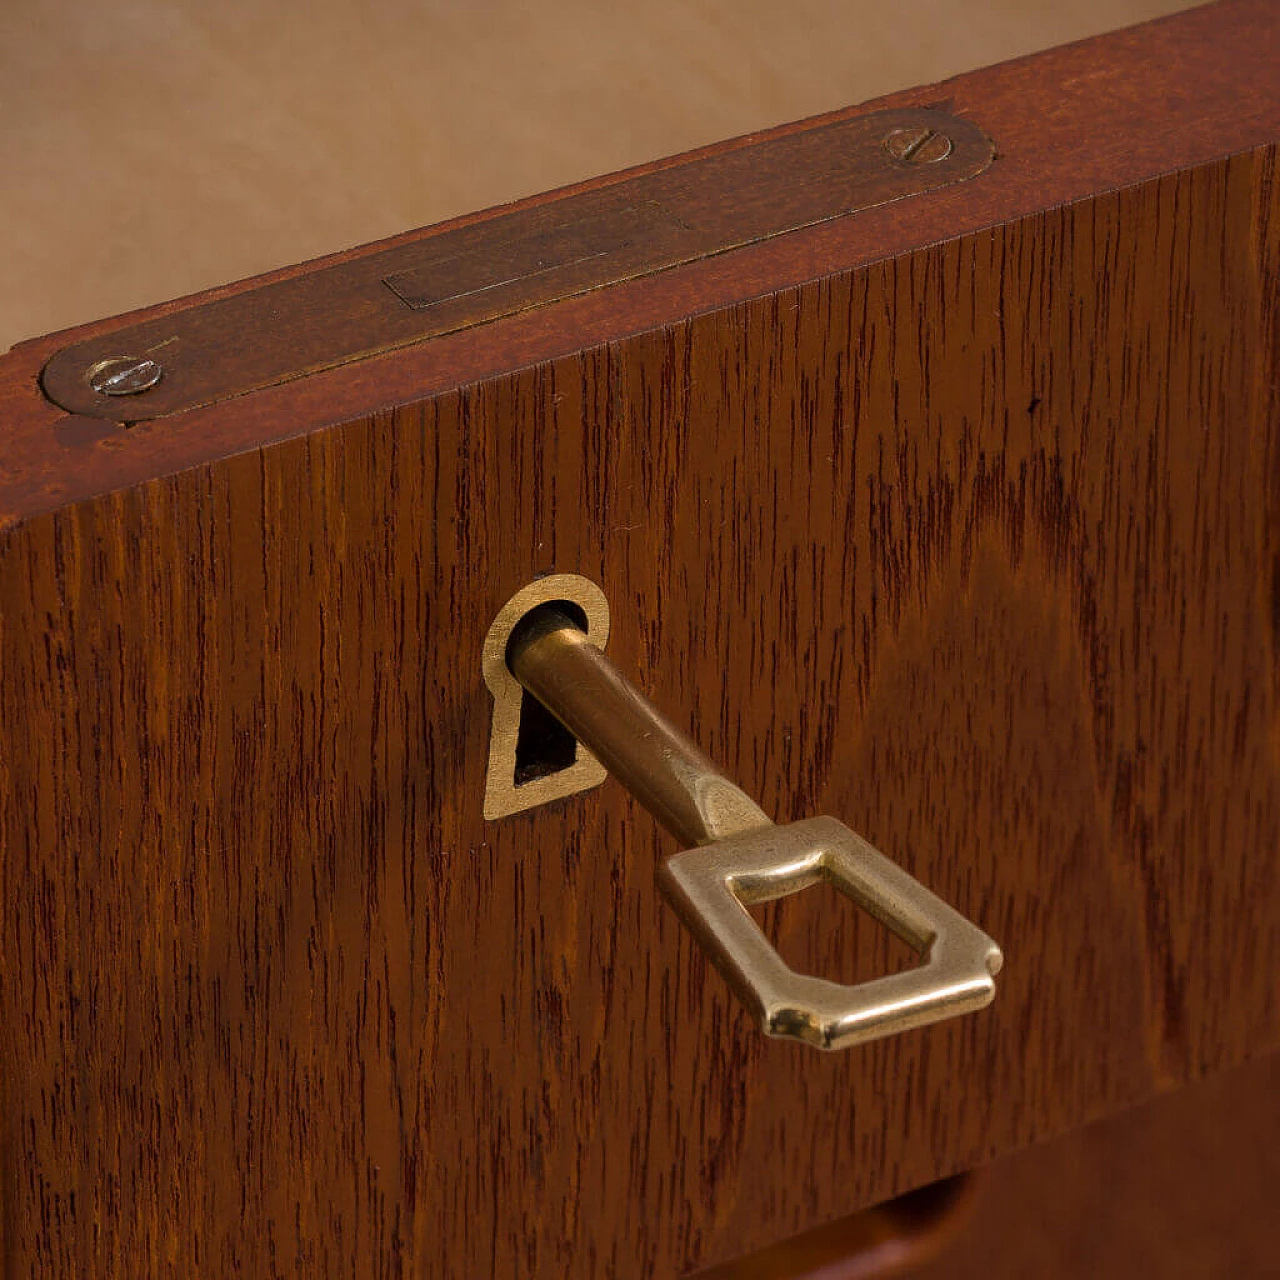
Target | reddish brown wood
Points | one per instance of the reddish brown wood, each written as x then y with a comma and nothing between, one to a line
973,544
1182,1188
1089,117
886,1240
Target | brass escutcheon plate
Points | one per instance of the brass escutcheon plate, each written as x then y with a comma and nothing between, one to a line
502,795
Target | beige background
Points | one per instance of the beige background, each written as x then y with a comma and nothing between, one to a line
151,149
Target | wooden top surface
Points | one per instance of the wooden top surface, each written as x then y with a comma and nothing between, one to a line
1105,113
159,147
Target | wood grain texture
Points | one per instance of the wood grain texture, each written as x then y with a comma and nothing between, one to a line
976,547
1096,116
1183,1187
886,1240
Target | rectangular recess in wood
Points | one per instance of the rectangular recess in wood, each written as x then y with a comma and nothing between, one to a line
514,261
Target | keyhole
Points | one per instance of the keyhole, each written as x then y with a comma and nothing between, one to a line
543,745
533,759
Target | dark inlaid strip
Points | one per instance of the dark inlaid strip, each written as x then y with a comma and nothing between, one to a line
514,261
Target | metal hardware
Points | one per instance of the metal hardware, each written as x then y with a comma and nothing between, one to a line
503,793
666,772
505,263
712,887
741,859
918,145
124,375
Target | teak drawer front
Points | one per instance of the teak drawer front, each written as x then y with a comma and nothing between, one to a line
973,541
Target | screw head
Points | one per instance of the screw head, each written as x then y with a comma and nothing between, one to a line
124,375
917,145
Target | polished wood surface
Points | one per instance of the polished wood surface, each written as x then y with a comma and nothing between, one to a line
1102,115
972,544
1182,1188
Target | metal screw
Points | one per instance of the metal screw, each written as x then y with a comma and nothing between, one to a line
918,145
124,375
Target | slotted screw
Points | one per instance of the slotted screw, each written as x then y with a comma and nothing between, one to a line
918,145
124,375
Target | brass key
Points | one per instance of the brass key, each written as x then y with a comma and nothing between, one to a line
742,858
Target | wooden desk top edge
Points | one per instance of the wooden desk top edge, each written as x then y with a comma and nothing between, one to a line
1101,114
